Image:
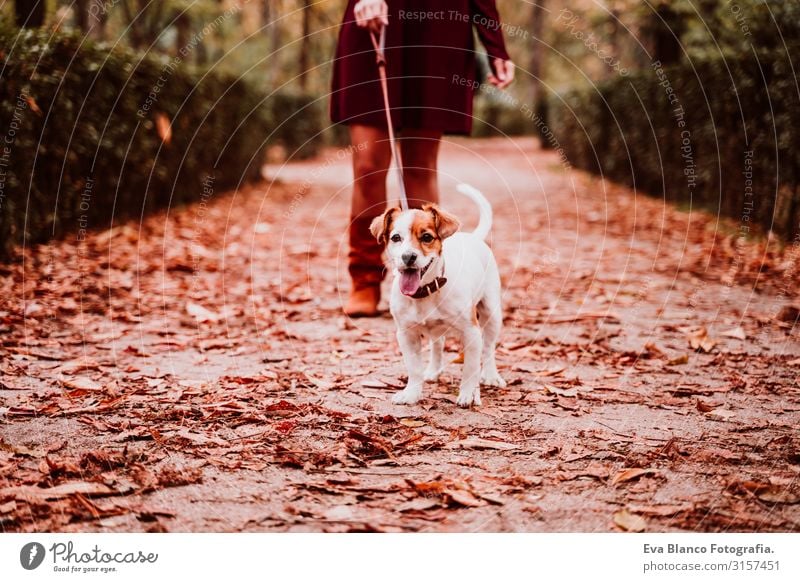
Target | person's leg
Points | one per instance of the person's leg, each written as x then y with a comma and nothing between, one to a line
371,157
419,149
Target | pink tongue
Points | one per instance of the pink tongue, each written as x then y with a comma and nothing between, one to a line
409,281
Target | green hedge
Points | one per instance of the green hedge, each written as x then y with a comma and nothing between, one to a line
628,130
79,139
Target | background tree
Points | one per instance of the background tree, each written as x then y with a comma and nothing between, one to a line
29,13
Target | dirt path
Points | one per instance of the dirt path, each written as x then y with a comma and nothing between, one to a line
193,372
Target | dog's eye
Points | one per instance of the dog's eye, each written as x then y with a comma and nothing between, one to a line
396,238
426,238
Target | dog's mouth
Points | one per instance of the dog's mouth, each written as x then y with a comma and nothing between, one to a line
410,279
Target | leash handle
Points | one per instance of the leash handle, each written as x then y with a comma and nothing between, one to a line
380,58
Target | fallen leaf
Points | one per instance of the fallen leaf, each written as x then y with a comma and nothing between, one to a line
720,414
476,443
374,384
33,105
630,521
552,371
318,382
705,406
419,504
82,383
462,497
630,474
737,333
567,393
200,313
772,494
699,340
31,492
164,128
411,423
679,360
651,350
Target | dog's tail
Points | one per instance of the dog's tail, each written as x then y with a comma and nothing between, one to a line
484,208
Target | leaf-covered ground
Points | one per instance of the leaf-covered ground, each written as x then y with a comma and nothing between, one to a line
194,373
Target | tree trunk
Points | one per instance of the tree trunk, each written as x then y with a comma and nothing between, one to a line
90,18
269,15
29,13
536,63
305,45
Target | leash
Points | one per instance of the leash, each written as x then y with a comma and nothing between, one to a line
380,57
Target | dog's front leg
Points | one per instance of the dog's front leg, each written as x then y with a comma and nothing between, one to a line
470,391
411,346
435,364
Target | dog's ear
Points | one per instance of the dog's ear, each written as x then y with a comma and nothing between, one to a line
382,224
446,224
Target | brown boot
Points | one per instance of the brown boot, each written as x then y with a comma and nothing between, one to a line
366,270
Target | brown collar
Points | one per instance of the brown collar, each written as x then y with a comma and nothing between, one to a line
430,288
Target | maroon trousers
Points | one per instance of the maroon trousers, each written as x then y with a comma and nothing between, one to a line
430,56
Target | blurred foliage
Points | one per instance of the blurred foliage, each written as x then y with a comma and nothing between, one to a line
738,93
98,134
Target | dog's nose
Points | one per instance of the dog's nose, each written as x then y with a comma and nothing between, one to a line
409,258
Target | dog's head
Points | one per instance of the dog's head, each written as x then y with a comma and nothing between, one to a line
413,240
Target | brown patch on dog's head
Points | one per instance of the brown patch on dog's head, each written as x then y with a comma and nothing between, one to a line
382,224
423,233
444,223
430,226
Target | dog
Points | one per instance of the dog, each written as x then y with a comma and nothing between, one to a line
445,281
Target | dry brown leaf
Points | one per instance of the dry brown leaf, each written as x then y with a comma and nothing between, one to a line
419,504
374,384
630,474
552,371
630,521
164,128
736,332
700,341
476,443
319,383
772,494
462,497
33,105
82,383
720,414
200,313
705,406
679,360
411,422
31,492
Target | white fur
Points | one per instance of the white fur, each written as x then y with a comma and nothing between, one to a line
472,280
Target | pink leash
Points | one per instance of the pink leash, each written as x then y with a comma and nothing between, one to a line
380,58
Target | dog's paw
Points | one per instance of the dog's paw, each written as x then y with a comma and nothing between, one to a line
407,396
432,375
492,378
467,398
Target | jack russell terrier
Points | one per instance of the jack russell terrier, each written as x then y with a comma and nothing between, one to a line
444,281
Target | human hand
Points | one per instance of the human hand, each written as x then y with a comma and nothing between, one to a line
502,73
372,14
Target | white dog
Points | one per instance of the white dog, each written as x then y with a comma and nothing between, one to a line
444,281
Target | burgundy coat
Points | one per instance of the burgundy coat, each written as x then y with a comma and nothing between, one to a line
430,64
